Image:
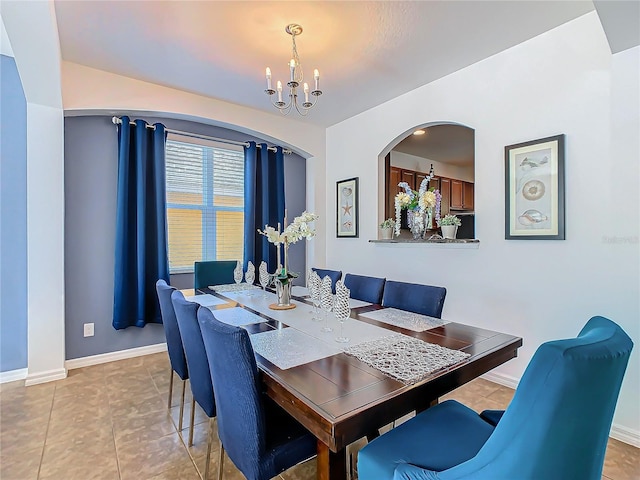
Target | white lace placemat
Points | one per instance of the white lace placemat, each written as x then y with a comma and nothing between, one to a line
233,287
353,303
298,291
404,358
237,316
205,300
288,347
409,320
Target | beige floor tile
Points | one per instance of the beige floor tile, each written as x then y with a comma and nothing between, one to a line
130,408
88,429
302,471
142,428
200,416
147,459
230,472
185,471
22,465
502,396
84,458
29,434
622,461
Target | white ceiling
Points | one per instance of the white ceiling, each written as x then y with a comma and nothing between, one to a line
367,52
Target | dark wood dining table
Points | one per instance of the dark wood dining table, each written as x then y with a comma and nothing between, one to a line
340,399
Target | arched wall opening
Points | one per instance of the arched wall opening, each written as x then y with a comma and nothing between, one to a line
445,150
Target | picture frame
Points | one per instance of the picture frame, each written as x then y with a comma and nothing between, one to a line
534,190
347,208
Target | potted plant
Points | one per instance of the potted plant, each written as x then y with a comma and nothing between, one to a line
386,228
449,226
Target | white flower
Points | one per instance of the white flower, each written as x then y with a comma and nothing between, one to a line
295,231
403,199
427,200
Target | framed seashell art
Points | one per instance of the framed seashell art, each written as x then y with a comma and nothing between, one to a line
534,190
347,208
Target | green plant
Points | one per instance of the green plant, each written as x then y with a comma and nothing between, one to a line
388,223
450,220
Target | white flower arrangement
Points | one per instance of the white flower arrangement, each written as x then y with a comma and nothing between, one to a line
422,200
292,233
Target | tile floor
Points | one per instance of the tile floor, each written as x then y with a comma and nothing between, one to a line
110,421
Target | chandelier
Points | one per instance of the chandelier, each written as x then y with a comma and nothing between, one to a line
295,79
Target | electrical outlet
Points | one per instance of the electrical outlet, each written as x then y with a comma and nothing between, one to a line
88,329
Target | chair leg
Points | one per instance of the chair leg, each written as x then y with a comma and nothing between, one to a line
209,441
170,387
184,386
220,461
193,415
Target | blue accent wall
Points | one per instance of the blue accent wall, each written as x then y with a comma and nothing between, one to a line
90,210
13,218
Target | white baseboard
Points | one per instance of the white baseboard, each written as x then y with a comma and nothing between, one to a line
43,377
502,379
624,434
13,375
113,356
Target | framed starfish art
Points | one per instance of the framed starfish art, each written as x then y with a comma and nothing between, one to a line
347,206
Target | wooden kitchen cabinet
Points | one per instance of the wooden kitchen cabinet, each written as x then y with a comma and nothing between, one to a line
445,191
467,195
409,176
456,194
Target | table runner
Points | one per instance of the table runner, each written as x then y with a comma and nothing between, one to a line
205,300
401,318
289,347
233,287
237,316
405,358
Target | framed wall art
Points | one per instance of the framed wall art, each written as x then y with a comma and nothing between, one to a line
534,190
347,204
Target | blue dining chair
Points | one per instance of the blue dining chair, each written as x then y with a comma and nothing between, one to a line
413,297
174,342
200,377
555,428
367,289
260,438
214,272
334,275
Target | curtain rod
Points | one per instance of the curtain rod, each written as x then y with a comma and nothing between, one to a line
117,121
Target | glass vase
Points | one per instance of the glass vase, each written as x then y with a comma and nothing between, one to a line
417,223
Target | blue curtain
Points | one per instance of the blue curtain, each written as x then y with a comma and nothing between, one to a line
141,224
263,201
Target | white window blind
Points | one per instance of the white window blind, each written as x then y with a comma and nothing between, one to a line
205,201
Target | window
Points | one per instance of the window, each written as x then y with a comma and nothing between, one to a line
205,202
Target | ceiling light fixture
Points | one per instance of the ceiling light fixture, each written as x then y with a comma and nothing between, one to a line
419,132
295,79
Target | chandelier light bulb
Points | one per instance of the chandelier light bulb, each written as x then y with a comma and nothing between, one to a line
295,79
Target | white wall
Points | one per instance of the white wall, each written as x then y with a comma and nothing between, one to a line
564,81
32,30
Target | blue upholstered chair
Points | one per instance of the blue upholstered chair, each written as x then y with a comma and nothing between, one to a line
334,275
174,342
259,437
367,289
215,272
556,427
200,377
412,297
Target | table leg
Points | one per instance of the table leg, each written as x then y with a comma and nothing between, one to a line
331,466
